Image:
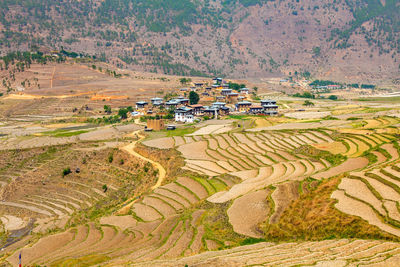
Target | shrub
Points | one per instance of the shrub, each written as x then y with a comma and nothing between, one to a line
66,171
110,158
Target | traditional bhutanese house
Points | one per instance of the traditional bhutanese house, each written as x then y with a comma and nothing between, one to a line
270,107
256,109
210,111
184,114
156,101
217,86
243,106
225,86
334,86
240,98
183,89
224,111
205,94
220,98
232,97
217,80
197,109
208,88
244,91
141,104
226,92
183,101
171,104
218,104
193,88
198,84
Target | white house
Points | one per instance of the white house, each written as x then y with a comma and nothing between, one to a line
184,114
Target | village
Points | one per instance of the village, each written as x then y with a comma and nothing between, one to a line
203,101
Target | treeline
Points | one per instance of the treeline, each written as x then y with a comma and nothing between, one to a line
23,60
352,85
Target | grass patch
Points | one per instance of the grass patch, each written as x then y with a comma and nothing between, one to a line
217,226
239,117
380,99
217,184
63,133
252,240
180,131
314,217
310,151
89,260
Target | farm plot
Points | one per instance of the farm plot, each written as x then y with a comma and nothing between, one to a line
319,253
374,195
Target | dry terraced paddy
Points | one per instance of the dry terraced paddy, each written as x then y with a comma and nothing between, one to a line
373,194
341,252
231,184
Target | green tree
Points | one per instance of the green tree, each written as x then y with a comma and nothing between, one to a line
123,113
107,109
308,103
333,97
184,81
193,98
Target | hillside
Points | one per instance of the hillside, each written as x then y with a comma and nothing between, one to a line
336,39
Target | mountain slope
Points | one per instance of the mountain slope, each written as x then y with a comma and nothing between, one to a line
340,39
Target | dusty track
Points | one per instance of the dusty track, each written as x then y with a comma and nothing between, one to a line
131,150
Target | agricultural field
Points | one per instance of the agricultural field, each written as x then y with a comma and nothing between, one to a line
319,187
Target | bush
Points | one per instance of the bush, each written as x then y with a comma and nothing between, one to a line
66,171
110,158
105,188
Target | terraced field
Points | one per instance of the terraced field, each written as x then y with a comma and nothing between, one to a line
234,186
341,252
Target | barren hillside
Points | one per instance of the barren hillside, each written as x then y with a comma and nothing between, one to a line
335,39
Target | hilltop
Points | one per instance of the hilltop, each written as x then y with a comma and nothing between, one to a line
335,39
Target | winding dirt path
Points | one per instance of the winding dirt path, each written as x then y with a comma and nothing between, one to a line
161,171
131,150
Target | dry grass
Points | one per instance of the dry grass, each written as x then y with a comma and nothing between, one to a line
170,159
314,217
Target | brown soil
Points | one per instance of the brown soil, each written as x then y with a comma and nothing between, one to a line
247,211
283,195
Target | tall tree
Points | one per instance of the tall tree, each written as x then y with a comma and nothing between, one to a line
193,98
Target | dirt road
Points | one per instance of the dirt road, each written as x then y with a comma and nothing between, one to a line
161,172
131,150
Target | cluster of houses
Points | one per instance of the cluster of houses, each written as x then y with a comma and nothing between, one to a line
224,101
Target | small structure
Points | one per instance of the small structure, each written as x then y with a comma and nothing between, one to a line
141,104
155,124
156,101
243,106
198,84
232,97
171,104
210,111
184,114
226,91
197,109
244,91
183,101
171,127
220,98
256,109
224,111
218,104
